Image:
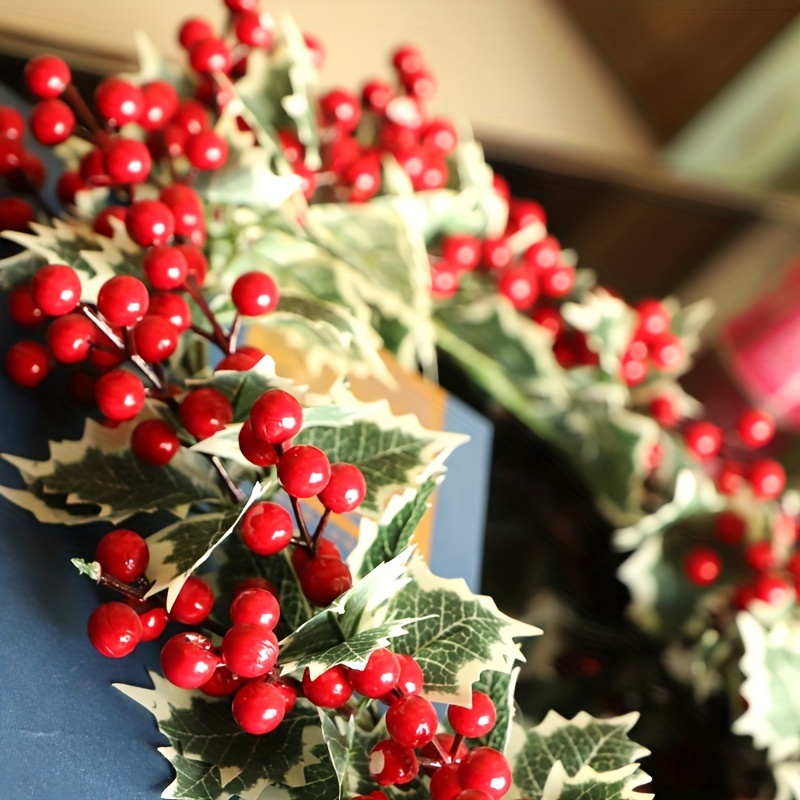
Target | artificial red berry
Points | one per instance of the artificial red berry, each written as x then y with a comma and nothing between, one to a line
196,262
70,338
126,161
392,764
123,554
150,222
407,60
364,178
324,579
102,222
520,285
731,478
267,528
558,281
397,139
160,101
288,692
761,556
123,300
188,660
308,183
497,253
222,683
172,306
22,307
254,30
193,31
664,410
29,175
654,319
16,214
445,278
444,783
729,527
330,689
192,117
411,678
549,319
411,721
292,148
486,770
345,490
27,363
211,55
276,417
165,267
702,566
420,85
522,213
446,742
47,76
205,411
56,289
317,50
254,448
303,470
52,122
475,721
667,352
767,478
154,442
379,675
254,583
241,362
154,621
440,137
12,123
434,174
302,558
254,294
207,150
544,254
118,102
756,428
341,109
69,184
193,603
463,250
114,630
376,95
772,589
703,440
11,154
255,607
250,650
120,395
187,209
156,338
258,708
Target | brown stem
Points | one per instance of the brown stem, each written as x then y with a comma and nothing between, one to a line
308,542
234,335
205,334
457,739
320,529
220,338
149,372
102,326
236,493
442,752
73,97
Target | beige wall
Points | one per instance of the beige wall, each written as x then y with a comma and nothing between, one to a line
515,68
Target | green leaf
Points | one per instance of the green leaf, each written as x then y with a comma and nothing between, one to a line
381,541
194,780
19,268
91,569
583,751
352,627
320,779
621,784
457,634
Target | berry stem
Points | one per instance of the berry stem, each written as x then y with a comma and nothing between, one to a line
220,338
90,313
236,493
73,97
323,521
150,373
236,326
307,541
446,758
208,335
457,739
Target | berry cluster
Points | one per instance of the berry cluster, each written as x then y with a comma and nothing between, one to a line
22,171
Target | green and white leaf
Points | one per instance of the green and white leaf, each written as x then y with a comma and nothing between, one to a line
457,634
582,751
194,780
500,686
787,780
91,569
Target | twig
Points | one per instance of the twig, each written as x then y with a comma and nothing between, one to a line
236,493
192,287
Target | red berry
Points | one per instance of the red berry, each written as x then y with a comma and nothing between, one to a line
187,208
330,689
756,428
205,411
345,490
397,139
654,319
173,307
446,742
12,123
150,222
729,527
772,589
254,583
434,174
69,184
222,683
254,294
411,721
411,677
102,222
259,708
308,184
118,101
767,478
303,470
165,267
522,213
52,122
207,150
667,352
463,250
15,214
558,281
486,770
114,630
664,410
761,556
92,169
703,440
154,442
196,262
11,155
22,307
520,285
127,161
445,279
324,579
242,5
254,30
730,478
364,178
154,621
475,721
70,337
267,528
193,603
379,675
123,300
254,448
341,109
702,566
241,362
544,254
549,319
302,558
288,692
211,55
420,85
440,137
30,173
316,48
47,76
119,394
250,650
407,60
276,417
123,554
444,783
56,289
193,31
392,764
188,660
376,95
192,117
27,363
255,607
156,338
497,253
292,147
160,101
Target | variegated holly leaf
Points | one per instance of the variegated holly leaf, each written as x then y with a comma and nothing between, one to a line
381,541
500,686
559,756
348,747
770,665
787,780
178,550
320,779
457,634
194,780
19,268
98,477
352,627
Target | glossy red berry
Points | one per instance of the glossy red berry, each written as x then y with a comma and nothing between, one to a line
522,213
520,285
544,254
756,428
276,417
154,442
289,693
70,182
434,174
207,150
255,607
476,721
407,60
486,770
22,307
767,478
549,319
47,76
193,31
126,161
364,178
411,721
473,794
303,470
761,556
160,101
292,148
254,294
102,222
250,650
222,683
667,352
123,300
702,566
150,222
193,603
188,660
379,675
729,527
254,448
267,528
70,337
302,558
187,209
16,214
665,411
703,440
376,95
391,764
173,307
654,319
165,267
12,123
330,689
463,250
497,253
118,101
258,708
27,363
341,109
154,621
444,783
123,554
254,30
445,279
440,137
114,630
205,411
196,262
191,117
30,173
731,478
52,122
211,55
324,579
119,394
345,489
11,155
411,678
156,338
558,281
420,85
240,362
